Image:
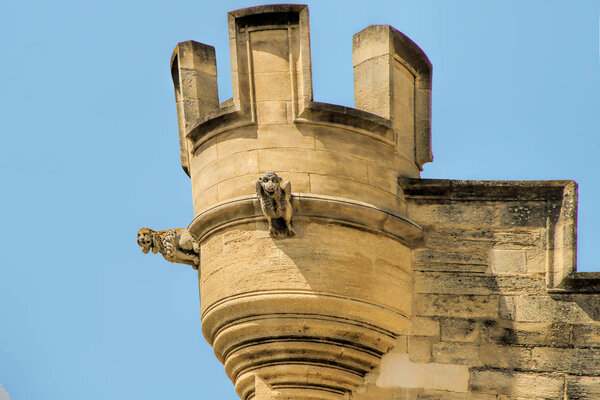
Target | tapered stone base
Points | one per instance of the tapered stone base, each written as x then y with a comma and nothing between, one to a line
311,315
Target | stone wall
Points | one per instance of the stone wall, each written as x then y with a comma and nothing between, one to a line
485,323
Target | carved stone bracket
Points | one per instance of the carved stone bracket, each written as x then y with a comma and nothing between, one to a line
176,245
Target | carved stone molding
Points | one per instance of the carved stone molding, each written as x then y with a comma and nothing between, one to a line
293,338
309,206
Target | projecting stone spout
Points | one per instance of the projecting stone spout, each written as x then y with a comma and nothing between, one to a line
302,292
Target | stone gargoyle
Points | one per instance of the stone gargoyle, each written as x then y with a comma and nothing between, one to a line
275,200
176,245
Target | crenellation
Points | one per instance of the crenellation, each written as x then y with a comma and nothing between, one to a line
392,78
194,73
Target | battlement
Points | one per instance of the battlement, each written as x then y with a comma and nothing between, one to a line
272,84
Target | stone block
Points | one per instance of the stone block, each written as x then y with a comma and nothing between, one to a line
356,144
424,327
586,335
518,384
271,112
504,261
244,184
476,283
507,357
344,188
419,348
374,101
205,154
460,330
225,168
530,214
536,260
456,353
273,86
236,141
371,75
459,306
313,161
573,361
205,199
556,334
518,238
455,214
369,43
583,388
398,371
285,136
450,260
448,236
443,395
384,178
373,392
545,309
270,51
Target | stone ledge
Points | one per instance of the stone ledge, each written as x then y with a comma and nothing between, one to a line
449,189
579,282
308,206
267,9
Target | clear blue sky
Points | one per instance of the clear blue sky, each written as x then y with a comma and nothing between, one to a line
90,154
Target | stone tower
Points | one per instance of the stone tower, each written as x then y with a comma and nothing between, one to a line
329,270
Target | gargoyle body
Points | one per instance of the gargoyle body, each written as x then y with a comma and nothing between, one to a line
275,200
176,245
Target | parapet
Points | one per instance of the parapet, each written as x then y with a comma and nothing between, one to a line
272,84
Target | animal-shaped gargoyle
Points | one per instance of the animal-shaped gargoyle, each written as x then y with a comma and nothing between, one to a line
176,245
275,201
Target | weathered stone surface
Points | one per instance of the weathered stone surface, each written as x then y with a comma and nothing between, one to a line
586,335
419,348
508,261
573,361
479,284
543,308
460,306
583,387
460,330
398,371
456,353
517,384
424,327
442,395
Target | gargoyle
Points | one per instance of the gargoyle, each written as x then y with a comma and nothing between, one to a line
176,245
275,201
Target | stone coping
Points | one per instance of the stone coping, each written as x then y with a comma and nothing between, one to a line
484,190
313,207
267,9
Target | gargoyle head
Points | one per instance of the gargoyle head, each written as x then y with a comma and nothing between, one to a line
270,182
144,239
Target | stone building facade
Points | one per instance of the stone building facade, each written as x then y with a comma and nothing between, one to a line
329,270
